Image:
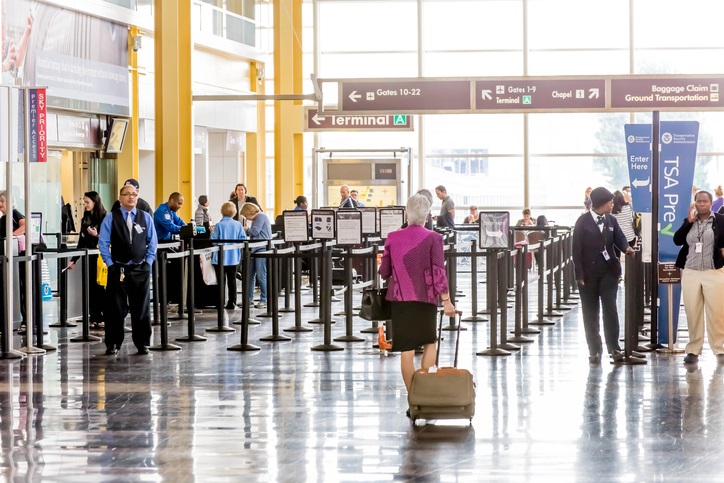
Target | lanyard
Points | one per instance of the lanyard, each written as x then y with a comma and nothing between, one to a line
701,228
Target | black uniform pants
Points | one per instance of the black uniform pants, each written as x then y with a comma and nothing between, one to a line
132,294
230,276
599,292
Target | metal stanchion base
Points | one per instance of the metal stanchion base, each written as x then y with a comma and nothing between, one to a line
167,347
90,338
298,329
156,324
474,318
265,315
541,322
275,338
335,299
251,322
243,348
312,304
653,347
453,327
521,339
369,330
32,351
48,348
637,354
633,361
528,330
493,352
285,310
320,321
552,313
667,350
564,306
11,354
191,338
63,324
223,328
349,338
327,348
643,348
340,314
510,347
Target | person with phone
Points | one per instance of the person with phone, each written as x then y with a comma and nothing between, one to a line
701,258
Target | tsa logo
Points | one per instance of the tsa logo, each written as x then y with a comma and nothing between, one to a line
666,138
631,139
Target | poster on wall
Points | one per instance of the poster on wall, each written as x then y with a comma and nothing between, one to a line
494,227
81,59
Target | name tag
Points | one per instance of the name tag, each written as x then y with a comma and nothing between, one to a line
605,254
138,228
698,246
610,228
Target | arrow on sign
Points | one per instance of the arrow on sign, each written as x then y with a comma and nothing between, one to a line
637,182
318,118
593,93
487,94
354,96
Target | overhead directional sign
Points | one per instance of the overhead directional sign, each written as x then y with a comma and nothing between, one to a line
405,95
418,95
654,93
545,94
355,122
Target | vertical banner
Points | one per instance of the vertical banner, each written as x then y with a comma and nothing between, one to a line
37,125
638,157
676,177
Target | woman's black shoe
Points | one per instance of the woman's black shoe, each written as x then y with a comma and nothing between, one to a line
407,413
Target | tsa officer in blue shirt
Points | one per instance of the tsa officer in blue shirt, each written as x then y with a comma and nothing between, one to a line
127,243
165,218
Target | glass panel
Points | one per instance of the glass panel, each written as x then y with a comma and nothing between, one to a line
497,134
562,24
576,133
368,65
697,61
672,23
454,25
591,62
103,179
472,64
368,26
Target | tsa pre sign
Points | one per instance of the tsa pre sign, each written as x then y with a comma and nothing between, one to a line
676,177
38,126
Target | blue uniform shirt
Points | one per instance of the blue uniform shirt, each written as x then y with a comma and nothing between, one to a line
167,222
104,237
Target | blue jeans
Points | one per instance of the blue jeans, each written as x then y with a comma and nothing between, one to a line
258,272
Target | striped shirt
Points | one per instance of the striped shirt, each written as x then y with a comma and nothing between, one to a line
701,232
625,221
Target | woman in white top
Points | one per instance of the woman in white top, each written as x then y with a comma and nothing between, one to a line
623,213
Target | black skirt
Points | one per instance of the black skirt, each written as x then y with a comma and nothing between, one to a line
413,325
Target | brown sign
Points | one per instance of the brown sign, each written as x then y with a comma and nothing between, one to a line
405,95
544,94
681,93
355,122
669,273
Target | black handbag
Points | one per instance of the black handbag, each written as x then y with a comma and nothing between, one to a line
374,305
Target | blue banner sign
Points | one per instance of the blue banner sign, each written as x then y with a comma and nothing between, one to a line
676,177
638,157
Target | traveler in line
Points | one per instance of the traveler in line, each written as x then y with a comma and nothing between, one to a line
623,213
354,194
90,227
701,238
202,216
260,229
141,205
228,229
127,243
301,203
18,231
446,218
411,255
347,200
595,238
166,219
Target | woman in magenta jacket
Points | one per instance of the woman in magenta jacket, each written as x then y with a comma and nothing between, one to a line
414,264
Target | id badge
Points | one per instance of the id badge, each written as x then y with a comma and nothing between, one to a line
605,254
698,246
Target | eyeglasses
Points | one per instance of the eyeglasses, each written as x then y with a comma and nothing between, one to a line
132,195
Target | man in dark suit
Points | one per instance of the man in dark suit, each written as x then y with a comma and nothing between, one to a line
597,272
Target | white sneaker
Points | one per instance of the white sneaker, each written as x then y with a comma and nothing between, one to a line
260,305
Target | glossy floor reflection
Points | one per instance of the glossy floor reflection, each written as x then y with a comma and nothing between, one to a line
286,413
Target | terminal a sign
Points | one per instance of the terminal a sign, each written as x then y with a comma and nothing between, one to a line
329,121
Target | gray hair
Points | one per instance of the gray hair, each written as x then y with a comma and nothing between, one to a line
426,193
418,207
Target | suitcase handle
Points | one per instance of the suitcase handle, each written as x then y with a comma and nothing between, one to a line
459,313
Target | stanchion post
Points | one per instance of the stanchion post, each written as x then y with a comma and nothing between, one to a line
326,302
244,345
273,298
190,298
154,282
474,317
521,275
162,301
550,278
631,302
314,261
503,259
39,305
491,264
452,276
221,325
62,294
287,278
298,327
348,312
85,302
540,320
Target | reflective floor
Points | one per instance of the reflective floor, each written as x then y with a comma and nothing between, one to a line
287,413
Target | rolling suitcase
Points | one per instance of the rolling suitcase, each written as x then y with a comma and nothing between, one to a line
445,393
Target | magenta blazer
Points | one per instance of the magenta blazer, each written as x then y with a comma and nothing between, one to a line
414,263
